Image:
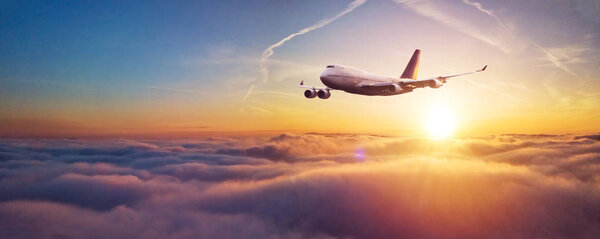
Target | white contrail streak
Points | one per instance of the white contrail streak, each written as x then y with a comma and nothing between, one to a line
488,12
431,10
248,92
555,60
269,51
548,55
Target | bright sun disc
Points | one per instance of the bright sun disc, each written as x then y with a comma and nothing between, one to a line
440,122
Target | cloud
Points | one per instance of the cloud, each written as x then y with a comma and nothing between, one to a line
549,56
98,192
593,136
417,199
486,11
304,186
32,219
501,36
554,60
269,51
449,16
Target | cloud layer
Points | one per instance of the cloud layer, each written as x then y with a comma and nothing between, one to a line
312,185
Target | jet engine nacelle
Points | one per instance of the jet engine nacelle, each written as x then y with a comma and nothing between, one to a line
394,89
323,94
310,94
435,83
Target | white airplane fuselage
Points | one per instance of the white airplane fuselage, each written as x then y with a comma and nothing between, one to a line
350,79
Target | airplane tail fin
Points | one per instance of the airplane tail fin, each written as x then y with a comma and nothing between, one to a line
413,66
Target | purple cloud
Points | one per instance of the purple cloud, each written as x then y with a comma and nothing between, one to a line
302,186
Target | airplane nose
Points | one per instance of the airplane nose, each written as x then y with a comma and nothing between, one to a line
324,76
327,77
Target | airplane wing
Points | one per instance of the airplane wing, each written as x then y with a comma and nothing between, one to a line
378,84
427,82
301,85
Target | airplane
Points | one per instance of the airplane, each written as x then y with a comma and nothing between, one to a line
357,81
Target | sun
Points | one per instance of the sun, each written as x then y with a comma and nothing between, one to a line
440,122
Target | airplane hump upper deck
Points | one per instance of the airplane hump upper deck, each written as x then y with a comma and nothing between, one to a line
413,66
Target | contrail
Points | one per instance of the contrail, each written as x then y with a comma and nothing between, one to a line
548,55
555,60
431,10
488,12
269,51
248,92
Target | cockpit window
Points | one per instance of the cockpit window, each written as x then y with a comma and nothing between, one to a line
329,66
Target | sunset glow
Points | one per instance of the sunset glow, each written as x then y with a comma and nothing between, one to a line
440,122
188,77
300,119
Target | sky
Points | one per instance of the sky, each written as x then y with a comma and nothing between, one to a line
77,68
183,119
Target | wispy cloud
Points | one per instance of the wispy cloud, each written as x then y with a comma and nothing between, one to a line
506,41
547,53
270,50
248,92
558,63
431,10
486,11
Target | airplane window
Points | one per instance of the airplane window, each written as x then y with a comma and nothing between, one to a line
329,66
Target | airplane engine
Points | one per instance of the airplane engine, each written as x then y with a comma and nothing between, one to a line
435,84
394,89
310,94
323,94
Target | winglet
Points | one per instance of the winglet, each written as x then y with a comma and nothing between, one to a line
301,82
483,69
